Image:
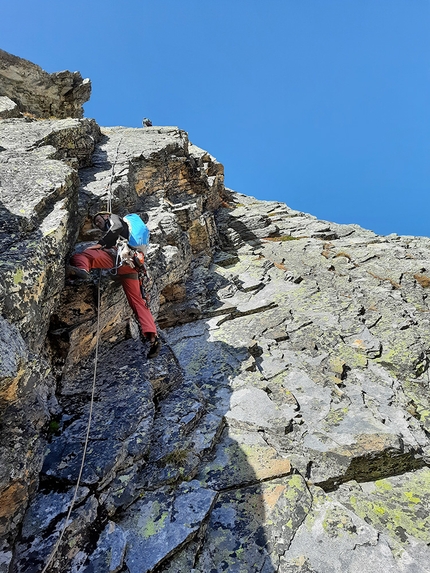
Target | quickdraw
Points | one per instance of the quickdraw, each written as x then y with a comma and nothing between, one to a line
145,283
125,255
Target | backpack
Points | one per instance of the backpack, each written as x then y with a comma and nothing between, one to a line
139,232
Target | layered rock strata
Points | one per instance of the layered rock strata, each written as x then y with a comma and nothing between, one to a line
284,426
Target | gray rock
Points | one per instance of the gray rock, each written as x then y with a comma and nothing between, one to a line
160,523
8,108
34,552
110,552
251,527
334,539
253,407
41,94
46,509
120,427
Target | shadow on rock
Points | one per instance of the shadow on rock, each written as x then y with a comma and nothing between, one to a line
167,484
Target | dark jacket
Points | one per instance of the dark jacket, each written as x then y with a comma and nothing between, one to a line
116,227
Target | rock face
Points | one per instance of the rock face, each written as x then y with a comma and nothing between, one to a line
38,93
284,426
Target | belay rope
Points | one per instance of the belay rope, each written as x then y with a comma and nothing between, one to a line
66,523
109,188
124,253
144,281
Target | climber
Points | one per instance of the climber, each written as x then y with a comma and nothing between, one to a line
103,256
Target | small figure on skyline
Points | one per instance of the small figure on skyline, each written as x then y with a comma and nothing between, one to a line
146,122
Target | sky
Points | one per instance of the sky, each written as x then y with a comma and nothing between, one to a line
321,104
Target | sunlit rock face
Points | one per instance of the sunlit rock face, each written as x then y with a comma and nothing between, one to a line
284,426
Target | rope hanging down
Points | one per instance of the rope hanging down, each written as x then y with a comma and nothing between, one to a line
56,546
109,189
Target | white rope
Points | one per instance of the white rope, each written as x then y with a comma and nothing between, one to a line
56,546
109,198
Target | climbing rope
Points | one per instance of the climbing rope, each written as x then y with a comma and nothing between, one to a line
109,189
56,546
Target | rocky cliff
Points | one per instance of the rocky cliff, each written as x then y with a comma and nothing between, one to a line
285,425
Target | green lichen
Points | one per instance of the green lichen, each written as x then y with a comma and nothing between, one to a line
195,365
398,506
239,552
155,521
247,449
400,356
351,357
411,497
295,484
18,276
337,523
335,417
379,509
383,484
424,414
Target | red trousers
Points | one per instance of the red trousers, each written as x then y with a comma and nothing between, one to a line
101,259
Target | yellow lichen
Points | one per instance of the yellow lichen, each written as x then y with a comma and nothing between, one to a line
18,276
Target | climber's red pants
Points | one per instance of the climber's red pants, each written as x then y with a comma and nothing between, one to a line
102,259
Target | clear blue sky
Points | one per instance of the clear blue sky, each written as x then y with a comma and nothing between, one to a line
322,104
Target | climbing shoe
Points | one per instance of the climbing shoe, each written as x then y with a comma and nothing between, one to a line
154,349
75,272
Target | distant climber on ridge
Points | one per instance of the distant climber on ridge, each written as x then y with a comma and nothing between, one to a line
146,122
103,255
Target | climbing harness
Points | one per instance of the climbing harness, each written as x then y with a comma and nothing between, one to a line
124,254
130,251
66,523
128,255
